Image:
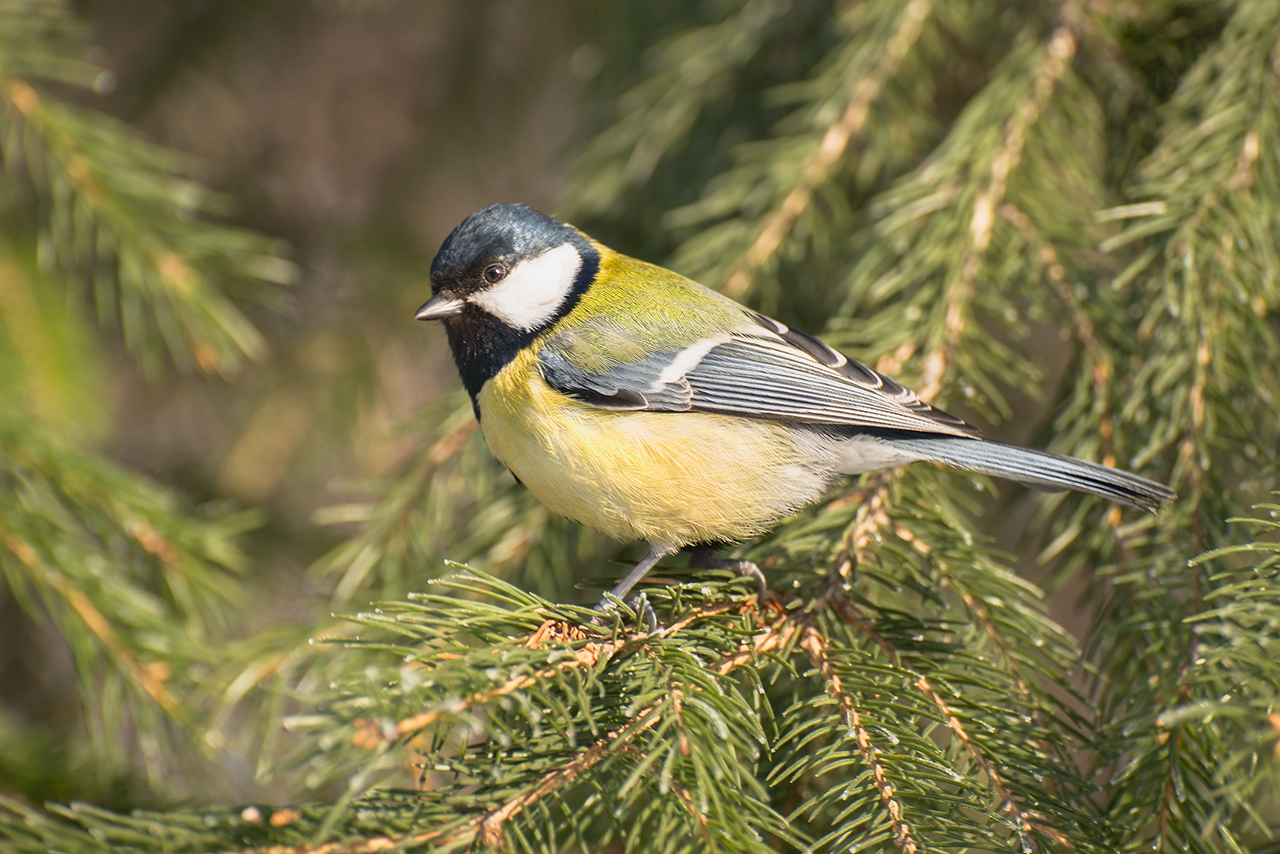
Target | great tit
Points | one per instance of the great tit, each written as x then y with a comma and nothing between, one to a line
638,402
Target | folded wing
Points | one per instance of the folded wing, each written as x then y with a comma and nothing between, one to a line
764,371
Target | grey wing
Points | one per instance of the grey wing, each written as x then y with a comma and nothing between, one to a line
777,374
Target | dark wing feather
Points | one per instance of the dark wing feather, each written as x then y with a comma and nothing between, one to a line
772,378
777,374
623,387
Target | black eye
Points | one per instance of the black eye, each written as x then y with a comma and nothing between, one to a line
494,273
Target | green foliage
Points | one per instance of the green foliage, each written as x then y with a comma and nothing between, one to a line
121,213
1012,207
136,583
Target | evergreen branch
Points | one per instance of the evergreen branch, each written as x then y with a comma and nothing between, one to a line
1194,349
817,648
877,521
567,647
924,301
988,625
587,656
135,586
1023,819
778,636
870,519
958,291
834,142
1172,783
1004,649
150,679
123,214
695,68
489,827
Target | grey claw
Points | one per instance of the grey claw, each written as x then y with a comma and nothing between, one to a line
641,605
704,558
750,570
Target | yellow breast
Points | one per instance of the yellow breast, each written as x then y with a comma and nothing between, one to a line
663,477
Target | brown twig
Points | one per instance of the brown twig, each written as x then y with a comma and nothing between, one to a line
817,648
872,516
833,146
490,825
1023,819
586,656
488,828
959,290
149,677
697,814
778,636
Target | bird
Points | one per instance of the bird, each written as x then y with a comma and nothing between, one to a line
640,403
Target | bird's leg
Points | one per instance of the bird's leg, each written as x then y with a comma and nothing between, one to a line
704,557
657,551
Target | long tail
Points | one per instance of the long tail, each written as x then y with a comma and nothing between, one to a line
1037,469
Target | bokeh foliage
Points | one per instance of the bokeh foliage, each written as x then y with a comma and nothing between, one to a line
1055,219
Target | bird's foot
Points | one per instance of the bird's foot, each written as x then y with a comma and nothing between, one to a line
704,557
639,604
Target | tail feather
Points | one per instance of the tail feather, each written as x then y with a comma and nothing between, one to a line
1037,469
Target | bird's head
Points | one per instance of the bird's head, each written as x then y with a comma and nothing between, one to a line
504,275
509,265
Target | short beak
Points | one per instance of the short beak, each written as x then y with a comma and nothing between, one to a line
439,307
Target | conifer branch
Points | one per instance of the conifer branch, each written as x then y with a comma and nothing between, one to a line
1023,820
586,656
135,586
150,679
696,67
371,734
958,290
780,633
870,519
124,214
490,826
834,142
817,648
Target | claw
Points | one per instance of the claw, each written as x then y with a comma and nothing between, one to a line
641,606
703,557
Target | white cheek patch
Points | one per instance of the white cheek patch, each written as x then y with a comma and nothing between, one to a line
534,290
